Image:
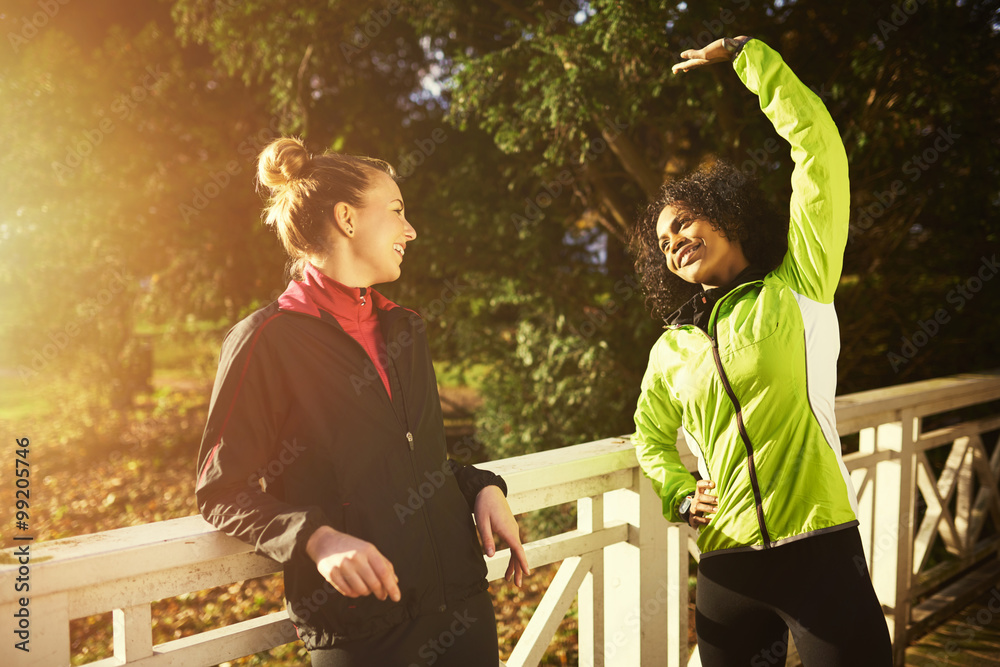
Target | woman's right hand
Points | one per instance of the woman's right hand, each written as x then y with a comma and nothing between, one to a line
703,502
352,566
716,52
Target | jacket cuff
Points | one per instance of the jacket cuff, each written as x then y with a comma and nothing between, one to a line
471,480
313,520
735,46
671,505
499,482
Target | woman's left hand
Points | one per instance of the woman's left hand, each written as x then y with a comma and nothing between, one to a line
493,515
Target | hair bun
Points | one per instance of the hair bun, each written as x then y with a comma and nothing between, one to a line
282,162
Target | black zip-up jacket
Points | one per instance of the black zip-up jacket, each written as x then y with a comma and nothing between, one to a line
299,409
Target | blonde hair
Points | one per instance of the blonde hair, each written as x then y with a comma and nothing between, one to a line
305,188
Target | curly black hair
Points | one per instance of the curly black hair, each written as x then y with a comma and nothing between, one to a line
733,203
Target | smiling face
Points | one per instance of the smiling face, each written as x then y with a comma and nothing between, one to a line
381,233
695,251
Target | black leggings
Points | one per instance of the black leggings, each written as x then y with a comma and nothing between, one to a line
465,635
817,587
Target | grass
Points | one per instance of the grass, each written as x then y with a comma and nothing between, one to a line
21,400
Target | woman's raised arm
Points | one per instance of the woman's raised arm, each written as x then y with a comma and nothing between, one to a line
819,209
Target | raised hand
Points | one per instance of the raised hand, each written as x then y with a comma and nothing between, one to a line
716,52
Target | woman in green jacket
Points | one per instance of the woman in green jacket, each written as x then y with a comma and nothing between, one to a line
747,368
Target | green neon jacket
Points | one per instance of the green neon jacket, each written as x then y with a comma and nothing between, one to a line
755,394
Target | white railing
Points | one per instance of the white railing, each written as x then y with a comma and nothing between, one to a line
893,469
624,564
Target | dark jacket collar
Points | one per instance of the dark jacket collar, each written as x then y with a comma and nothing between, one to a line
698,309
318,292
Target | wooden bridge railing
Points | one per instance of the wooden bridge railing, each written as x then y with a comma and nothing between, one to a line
624,564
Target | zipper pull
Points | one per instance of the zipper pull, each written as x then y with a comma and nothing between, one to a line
409,439
364,291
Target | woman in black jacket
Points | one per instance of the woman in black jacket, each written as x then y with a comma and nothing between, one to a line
325,445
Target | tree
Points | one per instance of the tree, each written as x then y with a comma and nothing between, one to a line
530,133
904,81
578,99
128,201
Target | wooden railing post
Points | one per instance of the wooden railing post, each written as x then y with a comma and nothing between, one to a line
892,503
636,578
49,633
590,518
678,571
909,431
133,632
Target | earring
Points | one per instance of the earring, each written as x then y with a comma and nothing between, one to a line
350,231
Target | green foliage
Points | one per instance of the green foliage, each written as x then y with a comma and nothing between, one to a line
541,79
530,133
547,395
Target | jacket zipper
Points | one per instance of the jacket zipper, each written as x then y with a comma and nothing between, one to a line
751,467
416,482
746,442
366,357
410,445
